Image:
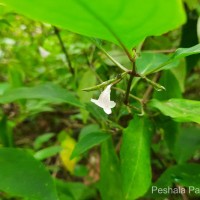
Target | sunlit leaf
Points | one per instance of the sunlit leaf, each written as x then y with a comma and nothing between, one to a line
123,22
182,110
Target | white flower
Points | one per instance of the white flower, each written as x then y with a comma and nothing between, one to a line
104,100
43,52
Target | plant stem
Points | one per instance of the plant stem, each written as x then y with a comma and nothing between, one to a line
132,75
131,95
113,60
57,32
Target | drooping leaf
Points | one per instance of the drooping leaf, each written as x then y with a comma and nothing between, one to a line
48,91
22,175
88,141
182,110
125,23
135,158
110,181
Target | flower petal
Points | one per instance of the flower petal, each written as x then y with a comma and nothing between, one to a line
107,110
112,104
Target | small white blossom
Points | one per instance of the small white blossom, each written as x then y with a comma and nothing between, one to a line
104,100
43,52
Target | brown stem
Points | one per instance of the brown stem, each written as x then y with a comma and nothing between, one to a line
132,75
57,32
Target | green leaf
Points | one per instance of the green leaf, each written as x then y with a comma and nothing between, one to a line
74,190
42,139
6,136
183,52
135,158
180,73
88,141
96,112
169,81
48,91
47,152
181,110
88,129
147,63
171,62
125,23
22,175
187,142
88,79
110,181
184,175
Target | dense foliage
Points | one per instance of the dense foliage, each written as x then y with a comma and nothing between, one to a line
138,60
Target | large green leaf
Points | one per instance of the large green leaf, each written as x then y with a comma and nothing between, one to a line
182,110
48,91
110,182
123,22
135,158
88,141
22,175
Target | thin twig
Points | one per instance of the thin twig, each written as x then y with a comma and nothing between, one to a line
150,88
57,32
91,66
131,95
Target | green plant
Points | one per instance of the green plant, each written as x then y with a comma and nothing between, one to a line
142,83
